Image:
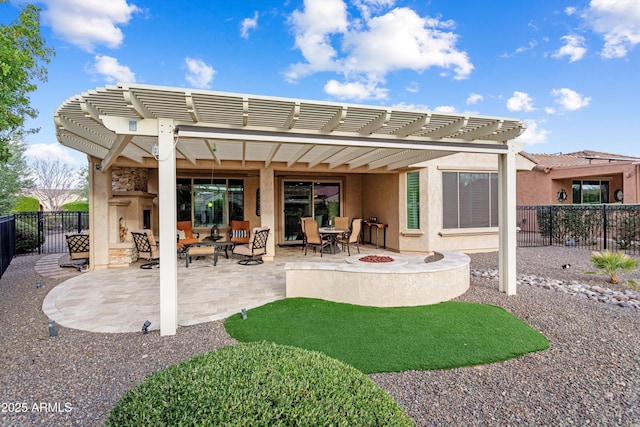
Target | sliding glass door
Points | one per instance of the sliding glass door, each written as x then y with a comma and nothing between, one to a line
319,200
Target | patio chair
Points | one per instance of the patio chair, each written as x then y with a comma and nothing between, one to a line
353,237
313,238
256,247
78,250
240,232
341,222
304,233
185,233
147,248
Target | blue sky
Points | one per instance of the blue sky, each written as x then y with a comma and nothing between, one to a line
569,69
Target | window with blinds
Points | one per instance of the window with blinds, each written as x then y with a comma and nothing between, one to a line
413,200
470,199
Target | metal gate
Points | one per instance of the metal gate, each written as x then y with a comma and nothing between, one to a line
44,232
608,226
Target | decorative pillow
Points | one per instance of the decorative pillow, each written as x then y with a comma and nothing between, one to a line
181,234
239,233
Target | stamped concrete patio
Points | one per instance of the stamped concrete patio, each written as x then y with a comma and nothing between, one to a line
122,299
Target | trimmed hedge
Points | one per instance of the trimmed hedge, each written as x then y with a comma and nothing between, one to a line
26,204
82,205
258,384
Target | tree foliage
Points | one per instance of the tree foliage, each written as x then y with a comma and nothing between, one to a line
23,55
15,176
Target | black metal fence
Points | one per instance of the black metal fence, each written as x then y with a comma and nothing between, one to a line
7,241
44,232
597,227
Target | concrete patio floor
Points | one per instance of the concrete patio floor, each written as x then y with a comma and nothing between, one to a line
121,299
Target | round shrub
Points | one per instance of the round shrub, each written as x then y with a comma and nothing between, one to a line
26,204
27,237
258,384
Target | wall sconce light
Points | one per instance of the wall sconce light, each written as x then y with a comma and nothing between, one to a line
133,125
145,327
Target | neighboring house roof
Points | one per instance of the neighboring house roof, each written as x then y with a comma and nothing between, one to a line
579,158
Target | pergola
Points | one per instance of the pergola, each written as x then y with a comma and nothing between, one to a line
146,124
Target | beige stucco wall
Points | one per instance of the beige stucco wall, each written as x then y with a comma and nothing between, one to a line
380,199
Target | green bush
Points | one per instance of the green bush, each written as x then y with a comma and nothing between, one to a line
82,205
26,204
258,384
27,237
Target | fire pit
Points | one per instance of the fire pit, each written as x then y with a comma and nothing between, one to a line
376,258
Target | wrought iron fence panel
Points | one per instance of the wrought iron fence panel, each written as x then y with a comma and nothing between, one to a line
596,227
44,232
7,241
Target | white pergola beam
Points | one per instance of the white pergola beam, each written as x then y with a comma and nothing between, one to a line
378,123
418,158
416,126
293,117
134,103
448,129
335,121
118,146
482,131
507,219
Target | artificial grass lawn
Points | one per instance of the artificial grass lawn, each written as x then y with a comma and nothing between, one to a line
373,339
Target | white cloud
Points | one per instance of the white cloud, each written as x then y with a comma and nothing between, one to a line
520,101
533,134
570,10
355,90
413,107
50,152
573,48
445,109
199,73
368,48
111,70
474,98
248,24
619,23
569,99
413,87
88,23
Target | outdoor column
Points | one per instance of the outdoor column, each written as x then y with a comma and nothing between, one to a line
99,195
168,218
268,209
507,218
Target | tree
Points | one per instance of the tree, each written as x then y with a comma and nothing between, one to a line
55,182
23,56
15,176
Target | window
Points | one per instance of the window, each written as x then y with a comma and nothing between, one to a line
470,199
590,191
215,202
413,200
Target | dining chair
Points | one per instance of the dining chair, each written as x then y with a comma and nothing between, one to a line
353,237
313,237
304,234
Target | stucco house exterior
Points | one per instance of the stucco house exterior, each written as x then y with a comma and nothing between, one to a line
581,177
158,155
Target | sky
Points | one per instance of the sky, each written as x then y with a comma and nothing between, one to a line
569,69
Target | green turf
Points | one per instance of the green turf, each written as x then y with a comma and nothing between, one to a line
373,339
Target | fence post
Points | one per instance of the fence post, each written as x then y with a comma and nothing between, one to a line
604,225
40,231
79,222
550,225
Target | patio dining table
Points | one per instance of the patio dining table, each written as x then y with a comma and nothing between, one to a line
332,233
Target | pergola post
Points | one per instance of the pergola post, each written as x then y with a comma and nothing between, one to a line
268,208
168,218
507,219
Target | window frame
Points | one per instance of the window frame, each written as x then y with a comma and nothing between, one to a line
413,200
466,204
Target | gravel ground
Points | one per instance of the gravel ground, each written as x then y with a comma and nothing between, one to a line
589,376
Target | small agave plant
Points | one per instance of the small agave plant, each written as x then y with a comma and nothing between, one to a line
610,263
